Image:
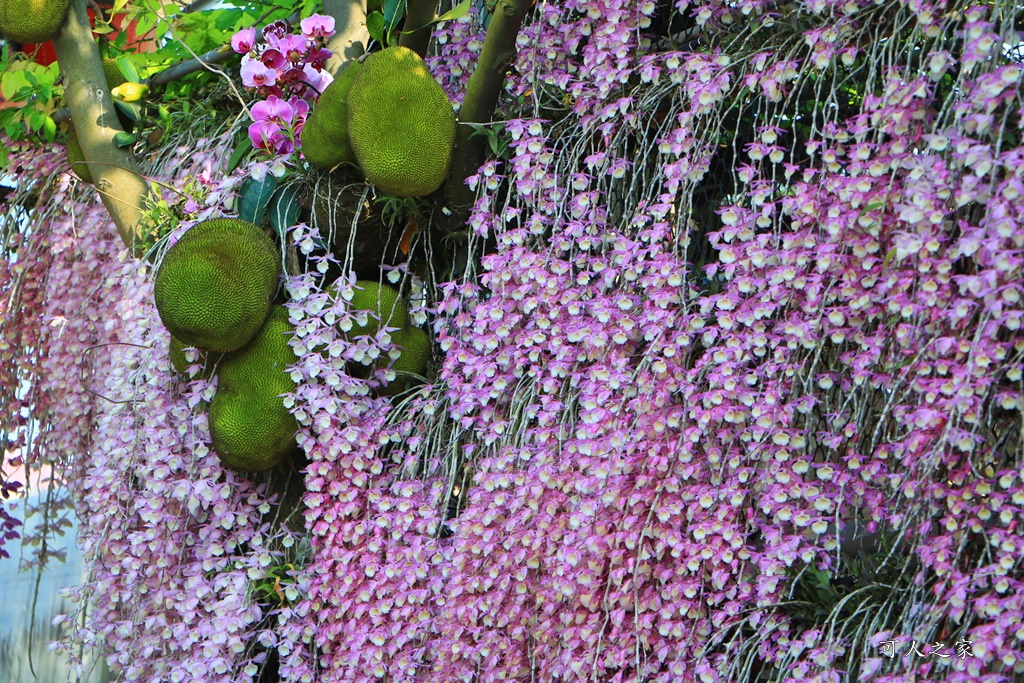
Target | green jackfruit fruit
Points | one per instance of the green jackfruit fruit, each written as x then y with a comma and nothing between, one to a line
32,21
415,352
250,428
401,124
385,307
325,142
75,156
74,149
215,285
181,364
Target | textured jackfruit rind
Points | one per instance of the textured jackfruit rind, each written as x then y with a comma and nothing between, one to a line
215,285
401,124
76,158
250,435
250,428
385,307
415,353
32,21
181,364
325,141
113,74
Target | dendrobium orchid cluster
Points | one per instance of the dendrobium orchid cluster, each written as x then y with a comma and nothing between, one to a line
736,392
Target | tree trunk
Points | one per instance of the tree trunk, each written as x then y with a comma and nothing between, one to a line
114,171
352,38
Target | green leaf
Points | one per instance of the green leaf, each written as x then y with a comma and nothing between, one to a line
375,25
394,10
227,18
165,114
284,209
123,139
241,150
454,13
888,257
35,120
49,128
4,154
128,70
253,198
130,109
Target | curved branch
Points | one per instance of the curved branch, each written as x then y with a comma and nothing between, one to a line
418,17
113,168
482,92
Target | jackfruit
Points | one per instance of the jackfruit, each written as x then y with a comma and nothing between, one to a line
401,124
74,149
415,352
325,142
75,156
32,21
181,364
215,285
385,307
250,428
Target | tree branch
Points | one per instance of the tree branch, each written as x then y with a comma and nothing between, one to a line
116,175
418,15
482,92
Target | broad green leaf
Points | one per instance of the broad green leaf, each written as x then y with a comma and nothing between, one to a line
4,154
35,120
130,109
227,19
284,209
128,70
888,257
123,139
455,12
241,150
11,82
253,198
375,26
49,128
118,6
393,10
164,113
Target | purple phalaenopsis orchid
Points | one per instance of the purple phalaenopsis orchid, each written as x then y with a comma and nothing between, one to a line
255,74
243,41
317,26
